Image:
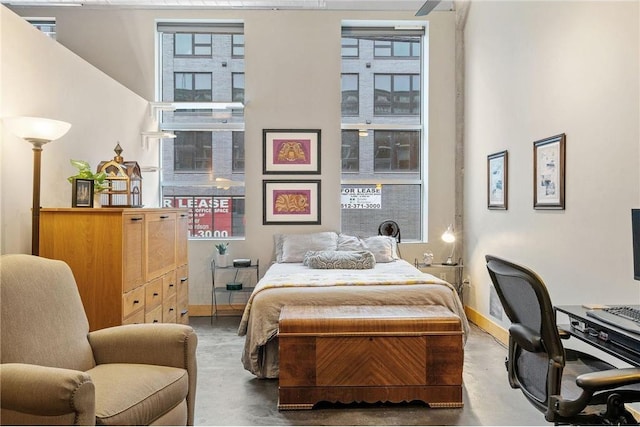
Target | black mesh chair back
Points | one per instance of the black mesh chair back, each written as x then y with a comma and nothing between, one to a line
389,228
558,381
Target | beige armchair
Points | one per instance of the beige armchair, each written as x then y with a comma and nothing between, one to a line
54,371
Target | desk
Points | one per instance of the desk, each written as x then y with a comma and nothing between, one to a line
614,341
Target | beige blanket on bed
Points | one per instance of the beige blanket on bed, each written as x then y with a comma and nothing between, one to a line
395,283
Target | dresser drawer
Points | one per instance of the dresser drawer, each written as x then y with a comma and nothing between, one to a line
169,285
154,316
170,309
133,301
137,317
153,295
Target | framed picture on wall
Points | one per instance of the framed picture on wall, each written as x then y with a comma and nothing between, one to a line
548,170
291,202
82,193
286,151
497,184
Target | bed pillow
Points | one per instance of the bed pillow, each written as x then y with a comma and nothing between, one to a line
384,248
351,260
293,247
350,243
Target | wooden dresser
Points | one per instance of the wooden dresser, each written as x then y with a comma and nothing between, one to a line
131,265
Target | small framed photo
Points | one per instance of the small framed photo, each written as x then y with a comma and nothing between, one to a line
289,202
82,193
291,151
548,169
497,169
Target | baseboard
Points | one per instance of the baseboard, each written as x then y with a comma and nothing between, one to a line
226,310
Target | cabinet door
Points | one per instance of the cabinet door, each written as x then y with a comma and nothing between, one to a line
133,251
161,243
182,239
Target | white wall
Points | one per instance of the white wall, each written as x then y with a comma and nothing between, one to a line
292,81
537,69
40,77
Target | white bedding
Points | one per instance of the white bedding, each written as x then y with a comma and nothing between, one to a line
392,283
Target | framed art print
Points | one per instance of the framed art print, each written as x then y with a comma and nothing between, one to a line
497,180
291,151
291,202
82,193
548,169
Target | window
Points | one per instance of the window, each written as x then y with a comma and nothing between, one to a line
350,95
47,26
189,44
192,87
396,94
350,47
192,151
201,69
382,129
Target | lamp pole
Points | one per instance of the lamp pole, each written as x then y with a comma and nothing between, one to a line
35,210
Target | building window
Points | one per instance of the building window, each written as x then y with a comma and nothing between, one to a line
396,94
350,151
200,69
190,44
397,49
192,87
383,137
237,45
192,151
350,47
350,95
47,26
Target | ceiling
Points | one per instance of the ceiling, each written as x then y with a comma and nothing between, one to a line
375,5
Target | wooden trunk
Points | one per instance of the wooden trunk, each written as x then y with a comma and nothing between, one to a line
369,354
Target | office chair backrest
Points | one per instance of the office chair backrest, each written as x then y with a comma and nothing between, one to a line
536,355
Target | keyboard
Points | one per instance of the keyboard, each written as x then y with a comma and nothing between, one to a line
623,317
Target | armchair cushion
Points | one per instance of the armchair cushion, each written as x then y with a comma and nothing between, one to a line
143,392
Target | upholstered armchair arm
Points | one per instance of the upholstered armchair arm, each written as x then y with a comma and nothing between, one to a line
165,344
43,391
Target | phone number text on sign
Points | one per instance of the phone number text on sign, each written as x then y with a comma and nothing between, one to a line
361,198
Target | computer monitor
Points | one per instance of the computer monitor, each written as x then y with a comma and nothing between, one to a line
635,230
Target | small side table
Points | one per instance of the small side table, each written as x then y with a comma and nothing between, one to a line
457,269
247,290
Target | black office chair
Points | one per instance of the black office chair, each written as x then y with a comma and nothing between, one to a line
568,386
389,228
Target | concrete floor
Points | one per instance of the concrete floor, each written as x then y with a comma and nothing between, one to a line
228,395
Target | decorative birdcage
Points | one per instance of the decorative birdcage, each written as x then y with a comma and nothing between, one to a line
124,180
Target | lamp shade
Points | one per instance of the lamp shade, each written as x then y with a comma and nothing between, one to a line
36,128
448,235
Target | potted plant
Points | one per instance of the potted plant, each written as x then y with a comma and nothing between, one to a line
222,258
85,172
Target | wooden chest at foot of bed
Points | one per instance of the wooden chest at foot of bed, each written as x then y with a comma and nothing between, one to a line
369,354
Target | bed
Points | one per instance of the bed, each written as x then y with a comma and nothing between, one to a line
294,279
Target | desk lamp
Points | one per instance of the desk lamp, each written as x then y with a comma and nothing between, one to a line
38,131
449,237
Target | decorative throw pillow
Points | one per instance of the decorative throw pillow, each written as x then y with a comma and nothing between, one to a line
384,248
350,243
292,247
352,260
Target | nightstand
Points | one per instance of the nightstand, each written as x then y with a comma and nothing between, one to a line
440,270
230,289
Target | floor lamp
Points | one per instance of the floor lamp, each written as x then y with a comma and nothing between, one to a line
38,131
449,237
